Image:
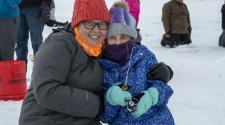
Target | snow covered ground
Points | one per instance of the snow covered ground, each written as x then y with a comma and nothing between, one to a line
199,71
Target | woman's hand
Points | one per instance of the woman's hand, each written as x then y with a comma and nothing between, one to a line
160,71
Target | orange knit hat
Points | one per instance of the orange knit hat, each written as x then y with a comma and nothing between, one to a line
89,10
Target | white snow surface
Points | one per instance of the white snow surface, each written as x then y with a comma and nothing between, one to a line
199,71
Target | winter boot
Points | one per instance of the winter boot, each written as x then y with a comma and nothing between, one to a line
165,42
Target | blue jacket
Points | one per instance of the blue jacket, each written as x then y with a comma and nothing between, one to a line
9,8
140,62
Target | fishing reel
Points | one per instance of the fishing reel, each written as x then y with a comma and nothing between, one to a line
132,104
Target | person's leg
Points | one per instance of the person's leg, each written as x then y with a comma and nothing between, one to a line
35,26
8,37
52,11
53,22
0,56
22,38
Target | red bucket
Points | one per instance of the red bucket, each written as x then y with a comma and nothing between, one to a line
13,84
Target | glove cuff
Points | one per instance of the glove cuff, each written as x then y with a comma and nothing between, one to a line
154,93
109,98
116,96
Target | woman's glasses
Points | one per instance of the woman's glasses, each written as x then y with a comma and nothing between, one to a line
90,25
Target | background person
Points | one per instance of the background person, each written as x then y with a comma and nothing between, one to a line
176,23
30,24
9,21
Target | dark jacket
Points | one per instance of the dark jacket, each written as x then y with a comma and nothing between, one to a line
223,16
139,64
175,17
30,3
66,86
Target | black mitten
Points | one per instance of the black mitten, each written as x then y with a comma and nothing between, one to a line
161,72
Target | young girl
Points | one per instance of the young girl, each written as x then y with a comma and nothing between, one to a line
131,99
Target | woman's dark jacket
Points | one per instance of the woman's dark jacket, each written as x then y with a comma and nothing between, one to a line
66,85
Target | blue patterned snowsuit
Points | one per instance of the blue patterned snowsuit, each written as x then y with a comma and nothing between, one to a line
140,62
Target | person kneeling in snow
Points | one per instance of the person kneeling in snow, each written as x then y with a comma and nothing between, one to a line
176,23
130,98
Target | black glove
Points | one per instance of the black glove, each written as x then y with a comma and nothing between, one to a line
45,13
161,72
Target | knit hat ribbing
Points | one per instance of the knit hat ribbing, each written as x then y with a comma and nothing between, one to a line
89,10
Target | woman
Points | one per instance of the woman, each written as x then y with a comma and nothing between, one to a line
66,85
66,80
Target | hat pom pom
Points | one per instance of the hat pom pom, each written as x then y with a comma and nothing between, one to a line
121,4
